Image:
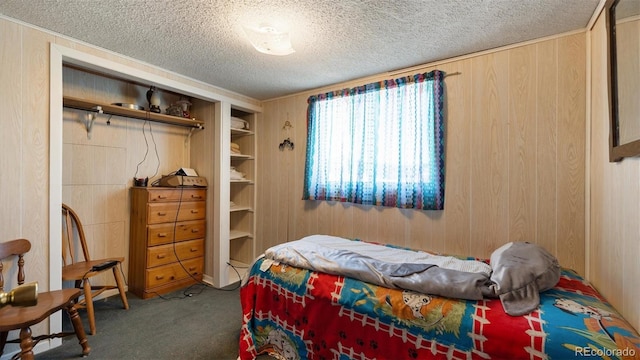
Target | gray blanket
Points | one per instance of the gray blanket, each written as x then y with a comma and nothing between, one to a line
393,268
518,271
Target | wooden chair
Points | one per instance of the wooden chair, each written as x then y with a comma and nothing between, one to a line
80,270
22,318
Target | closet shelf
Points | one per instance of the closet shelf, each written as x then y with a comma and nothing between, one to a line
236,234
76,103
241,156
241,132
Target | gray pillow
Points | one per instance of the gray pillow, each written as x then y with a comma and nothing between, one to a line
521,271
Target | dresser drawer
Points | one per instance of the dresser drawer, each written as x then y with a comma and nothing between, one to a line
166,212
176,194
159,234
166,254
165,274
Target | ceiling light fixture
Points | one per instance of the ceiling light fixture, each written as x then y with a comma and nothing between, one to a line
269,40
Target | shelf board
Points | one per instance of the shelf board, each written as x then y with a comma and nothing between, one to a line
241,156
237,234
76,103
245,181
240,132
240,208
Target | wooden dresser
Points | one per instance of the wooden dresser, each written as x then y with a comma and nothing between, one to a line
166,249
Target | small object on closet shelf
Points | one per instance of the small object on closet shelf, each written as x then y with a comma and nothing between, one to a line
237,123
174,110
128,106
235,148
287,143
235,174
153,97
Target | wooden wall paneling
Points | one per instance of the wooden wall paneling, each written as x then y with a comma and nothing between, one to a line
571,149
324,222
614,192
305,218
341,219
272,165
77,83
298,119
546,145
629,267
285,174
599,152
489,187
459,113
262,170
502,160
438,229
201,151
522,143
419,232
11,137
35,137
359,221
395,234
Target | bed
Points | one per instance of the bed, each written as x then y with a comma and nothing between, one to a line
299,312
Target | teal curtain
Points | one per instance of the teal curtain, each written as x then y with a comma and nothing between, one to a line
378,144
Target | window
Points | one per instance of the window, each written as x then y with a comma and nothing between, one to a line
378,144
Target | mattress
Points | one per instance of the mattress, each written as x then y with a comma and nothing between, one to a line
295,313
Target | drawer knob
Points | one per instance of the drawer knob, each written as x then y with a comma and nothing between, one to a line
162,197
162,213
195,230
161,256
159,277
162,235
194,249
192,268
196,197
194,211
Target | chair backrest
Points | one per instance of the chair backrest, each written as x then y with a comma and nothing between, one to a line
17,248
71,226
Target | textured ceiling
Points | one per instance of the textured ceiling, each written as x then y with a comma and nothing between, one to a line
335,41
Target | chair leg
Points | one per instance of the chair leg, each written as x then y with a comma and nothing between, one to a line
3,341
79,330
88,299
120,283
26,344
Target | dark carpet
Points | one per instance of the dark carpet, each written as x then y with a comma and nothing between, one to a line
204,325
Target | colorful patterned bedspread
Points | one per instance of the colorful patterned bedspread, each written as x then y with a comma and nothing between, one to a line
291,313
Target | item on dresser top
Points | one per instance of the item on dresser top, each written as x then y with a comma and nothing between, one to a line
237,123
235,174
235,148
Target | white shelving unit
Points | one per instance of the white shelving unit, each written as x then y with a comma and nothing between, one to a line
242,195
232,214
